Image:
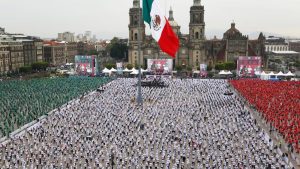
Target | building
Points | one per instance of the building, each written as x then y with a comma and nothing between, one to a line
194,49
2,31
4,58
66,36
294,46
88,35
54,53
60,53
72,51
282,60
32,48
276,44
11,55
39,51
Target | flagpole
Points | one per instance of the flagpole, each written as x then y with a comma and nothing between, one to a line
139,95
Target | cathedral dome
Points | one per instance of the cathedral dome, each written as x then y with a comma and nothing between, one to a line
173,23
232,32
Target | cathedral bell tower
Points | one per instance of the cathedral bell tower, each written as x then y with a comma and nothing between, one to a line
135,13
197,24
197,35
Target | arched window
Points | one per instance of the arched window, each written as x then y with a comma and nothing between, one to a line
197,35
135,36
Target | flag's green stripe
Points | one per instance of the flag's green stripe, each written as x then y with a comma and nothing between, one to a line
147,6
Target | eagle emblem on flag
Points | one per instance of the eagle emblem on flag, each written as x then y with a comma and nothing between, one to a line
156,21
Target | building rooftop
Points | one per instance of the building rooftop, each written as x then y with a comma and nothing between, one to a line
285,52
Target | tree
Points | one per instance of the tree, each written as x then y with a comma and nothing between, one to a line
178,68
219,66
38,66
26,69
129,66
209,68
110,66
189,68
92,52
229,66
117,49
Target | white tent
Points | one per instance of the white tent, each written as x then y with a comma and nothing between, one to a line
106,70
113,70
196,72
271,74
289,74
126,70
280,74
222,72
228,73
263,73
133,69
143,70
134,72
225,73
264,76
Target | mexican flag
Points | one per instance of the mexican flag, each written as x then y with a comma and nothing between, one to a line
161,30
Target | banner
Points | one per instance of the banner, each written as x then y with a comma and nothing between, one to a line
119,67
160,66
86,65
249,66
203,70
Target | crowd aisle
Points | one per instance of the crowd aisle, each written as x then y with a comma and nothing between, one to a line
191,124
279,103
24,101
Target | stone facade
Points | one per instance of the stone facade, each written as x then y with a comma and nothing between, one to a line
295,46
72,51
4,58
276,44
194,49
54,53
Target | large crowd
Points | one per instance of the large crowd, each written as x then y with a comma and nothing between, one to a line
189,124
24,101
279,103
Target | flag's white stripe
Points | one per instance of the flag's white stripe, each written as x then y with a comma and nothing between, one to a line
156,33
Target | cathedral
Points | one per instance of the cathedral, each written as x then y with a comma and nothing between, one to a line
194,49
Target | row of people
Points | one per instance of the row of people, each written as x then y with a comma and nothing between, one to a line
279,103
189,124
24,101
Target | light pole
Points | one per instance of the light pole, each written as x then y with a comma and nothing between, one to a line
139,94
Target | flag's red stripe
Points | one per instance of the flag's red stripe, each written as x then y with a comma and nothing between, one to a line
168,41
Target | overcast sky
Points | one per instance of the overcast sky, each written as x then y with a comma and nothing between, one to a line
109,18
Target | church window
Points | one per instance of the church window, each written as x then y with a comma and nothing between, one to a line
197,35
135,36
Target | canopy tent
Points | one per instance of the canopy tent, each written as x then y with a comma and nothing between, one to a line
263,73
223,72
113,70
69,64
289,74
126,70
134,72
106,70
264,76
143,70
133,69
280,74
271,74
196,72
